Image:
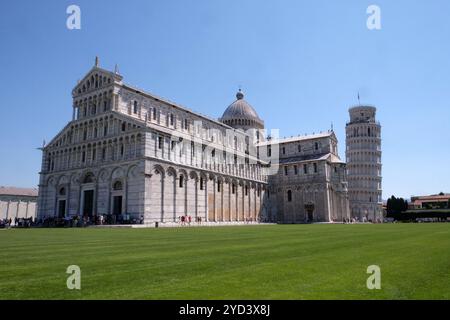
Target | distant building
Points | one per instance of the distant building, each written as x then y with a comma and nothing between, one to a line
431,201
18,202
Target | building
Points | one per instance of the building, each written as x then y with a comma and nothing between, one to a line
363,156
131,154
310,184
17,202
436,201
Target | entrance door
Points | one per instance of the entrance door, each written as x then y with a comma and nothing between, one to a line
88,205
62,208
309,207
310,215
117,205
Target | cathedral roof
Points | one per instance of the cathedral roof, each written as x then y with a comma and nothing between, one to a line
299,138
312,157
240,109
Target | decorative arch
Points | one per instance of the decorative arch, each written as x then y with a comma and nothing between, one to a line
88,177
158,169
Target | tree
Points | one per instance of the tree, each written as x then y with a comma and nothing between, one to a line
396,205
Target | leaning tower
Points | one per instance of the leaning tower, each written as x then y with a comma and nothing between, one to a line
363,153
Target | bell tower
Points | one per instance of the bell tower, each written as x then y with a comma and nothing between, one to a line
363,156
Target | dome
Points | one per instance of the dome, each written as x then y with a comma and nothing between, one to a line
240,114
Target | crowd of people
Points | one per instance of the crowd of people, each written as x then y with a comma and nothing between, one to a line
187,220
357,220
73,221
17,222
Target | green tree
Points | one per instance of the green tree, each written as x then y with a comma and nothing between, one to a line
396,205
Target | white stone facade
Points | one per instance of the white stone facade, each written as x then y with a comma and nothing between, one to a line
310,185
129,153
363,140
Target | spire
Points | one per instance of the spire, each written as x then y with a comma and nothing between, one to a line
96,61
116,69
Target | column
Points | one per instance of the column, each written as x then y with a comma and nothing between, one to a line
7,209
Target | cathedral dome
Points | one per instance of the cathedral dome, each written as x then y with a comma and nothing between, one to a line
240,114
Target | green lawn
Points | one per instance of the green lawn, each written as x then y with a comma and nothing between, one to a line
247,262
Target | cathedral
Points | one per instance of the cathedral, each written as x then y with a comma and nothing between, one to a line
134,156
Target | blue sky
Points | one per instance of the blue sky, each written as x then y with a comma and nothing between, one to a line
300,64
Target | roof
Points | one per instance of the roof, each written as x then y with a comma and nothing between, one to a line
431,197
240,109
312,157
14,191
176,105
298,138
362,107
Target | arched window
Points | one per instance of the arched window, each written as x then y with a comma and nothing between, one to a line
201,183
135,107
181,181
124,126
368,132
316,146
289,196
62,191
117,185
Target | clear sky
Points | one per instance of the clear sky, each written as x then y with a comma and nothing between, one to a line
300,64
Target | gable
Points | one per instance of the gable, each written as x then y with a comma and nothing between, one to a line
95,79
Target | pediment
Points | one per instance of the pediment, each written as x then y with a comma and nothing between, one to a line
96,78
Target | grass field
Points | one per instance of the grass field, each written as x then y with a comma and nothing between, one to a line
246,262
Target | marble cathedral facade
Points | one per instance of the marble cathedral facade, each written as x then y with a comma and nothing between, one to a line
127,152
